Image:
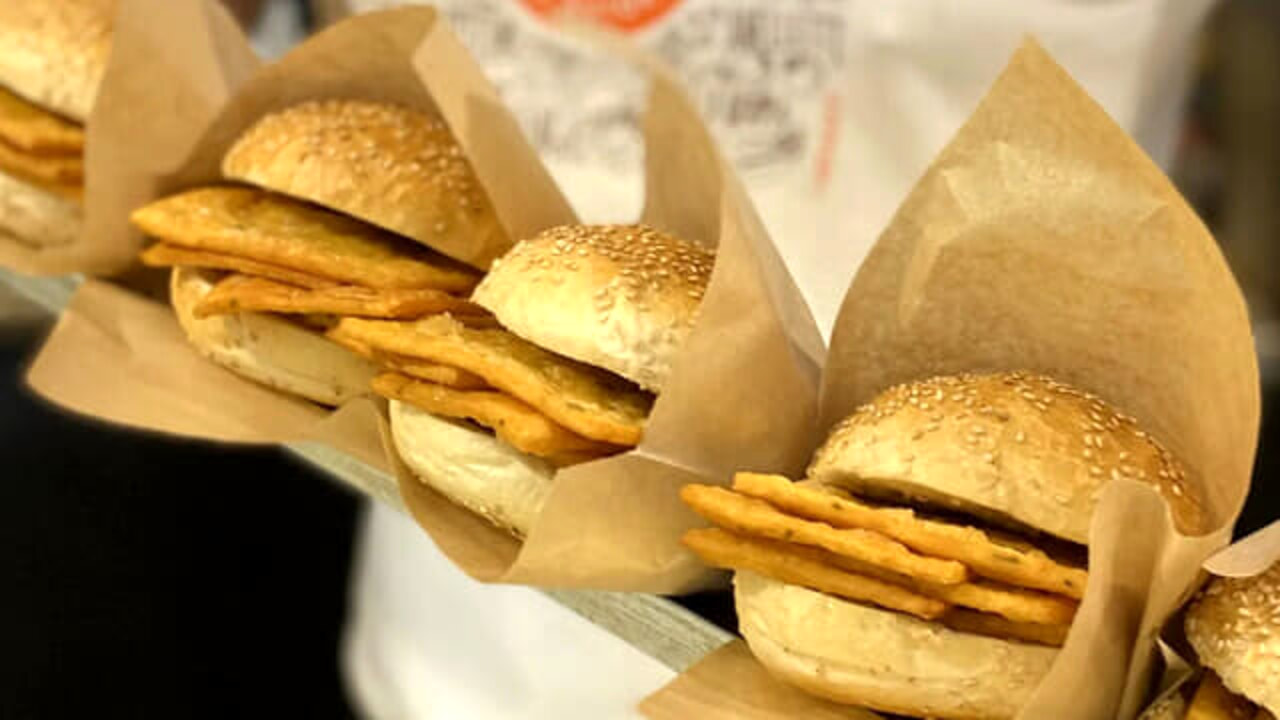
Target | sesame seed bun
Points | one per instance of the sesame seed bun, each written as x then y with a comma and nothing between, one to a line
389,165
620,297
1015,450
472,468
269,349
54,52
888,661
1011,448
1234,627
34,216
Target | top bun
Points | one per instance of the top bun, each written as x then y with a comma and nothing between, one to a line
620,297
1012,448
1235,629
389,165
54,52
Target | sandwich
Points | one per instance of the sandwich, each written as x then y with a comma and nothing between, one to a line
586,324
932,561
52,57
326,209
1234,627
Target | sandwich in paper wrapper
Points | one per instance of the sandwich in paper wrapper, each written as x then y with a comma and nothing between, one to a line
1231,632
54,57
345,228
1041,408
715,326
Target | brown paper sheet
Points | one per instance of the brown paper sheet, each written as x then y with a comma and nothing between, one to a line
147,117
616,523
1249,556
729,684
1042,238
611,524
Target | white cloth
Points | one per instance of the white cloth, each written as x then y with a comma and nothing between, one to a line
830,109
425,641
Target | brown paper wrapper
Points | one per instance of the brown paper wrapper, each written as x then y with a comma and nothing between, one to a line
741,394
729,684
147,116
1043,239
1250,556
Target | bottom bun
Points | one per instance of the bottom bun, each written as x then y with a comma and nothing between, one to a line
269,350
36,217
472,468
884,660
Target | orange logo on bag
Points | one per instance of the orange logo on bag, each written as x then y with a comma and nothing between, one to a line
625,15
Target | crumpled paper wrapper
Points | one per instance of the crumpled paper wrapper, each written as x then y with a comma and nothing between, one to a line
146,118
743,390
1042,238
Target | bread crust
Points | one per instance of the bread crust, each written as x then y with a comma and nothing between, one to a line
1234,627
883,660
389,165
472,468
54,52
36,217
1012,448
620,297
267,349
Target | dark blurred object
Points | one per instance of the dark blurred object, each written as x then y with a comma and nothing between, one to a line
1229,166
148,578
1248,119
1263,505
246,11
325,12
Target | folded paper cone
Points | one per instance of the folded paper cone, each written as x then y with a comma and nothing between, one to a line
1046,200
1043,240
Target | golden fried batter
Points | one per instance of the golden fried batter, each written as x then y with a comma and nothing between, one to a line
519,425
244,293
722,549
166,255
1020,566
34,130
584,399
749,516
280,231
